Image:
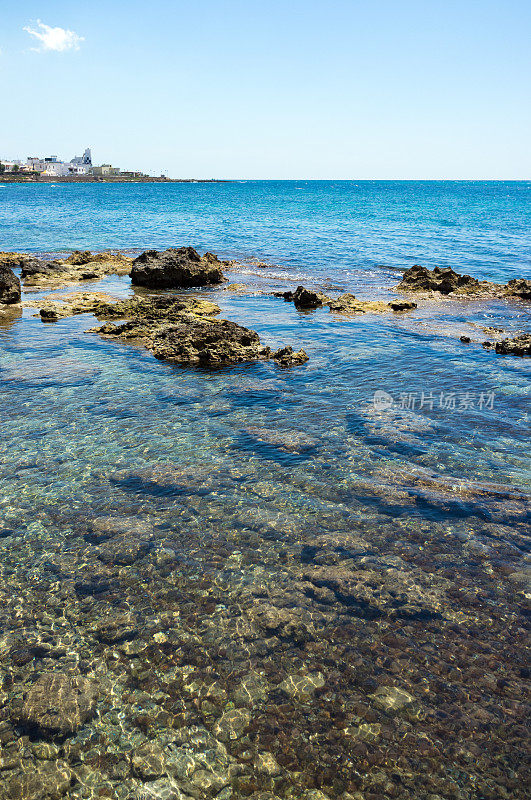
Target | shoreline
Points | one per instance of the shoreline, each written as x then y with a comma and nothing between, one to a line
98,179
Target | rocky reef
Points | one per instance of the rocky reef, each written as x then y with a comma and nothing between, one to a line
80,266
184,331
55,307
306,300
446,281
9,286
176,268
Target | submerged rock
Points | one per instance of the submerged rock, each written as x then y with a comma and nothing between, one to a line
176,268
302,687
392,698
519,346
47,781
58,704
232,724
50,372
9,286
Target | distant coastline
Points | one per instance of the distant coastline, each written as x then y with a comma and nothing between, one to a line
21,178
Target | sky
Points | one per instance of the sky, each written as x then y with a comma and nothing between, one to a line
268,89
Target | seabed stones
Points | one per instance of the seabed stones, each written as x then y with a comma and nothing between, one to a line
58,704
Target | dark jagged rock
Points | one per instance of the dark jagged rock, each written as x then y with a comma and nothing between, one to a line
519,287
58,704
464,339
176,268
448,282
519,346
402,305
445,281
9,286
305,298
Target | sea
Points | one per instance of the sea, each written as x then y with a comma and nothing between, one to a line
334,534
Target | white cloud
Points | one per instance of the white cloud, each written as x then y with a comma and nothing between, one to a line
57,39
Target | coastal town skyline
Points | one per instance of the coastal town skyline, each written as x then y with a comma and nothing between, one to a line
313,90
52,166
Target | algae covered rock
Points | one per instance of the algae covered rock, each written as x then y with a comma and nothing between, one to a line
58,704
349,304
80,266
287,357
9,286
176,268
48,781
207,341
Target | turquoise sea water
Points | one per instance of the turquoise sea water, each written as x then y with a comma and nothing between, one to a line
254,477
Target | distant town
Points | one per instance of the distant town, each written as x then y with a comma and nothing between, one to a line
53,167
79,168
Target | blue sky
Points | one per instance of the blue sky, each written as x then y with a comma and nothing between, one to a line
313,89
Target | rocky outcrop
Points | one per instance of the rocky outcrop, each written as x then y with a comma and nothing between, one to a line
519,287
176,268
519,346
80,266
12,260
208,341
58,704
9,286
446,281
305,299
183,330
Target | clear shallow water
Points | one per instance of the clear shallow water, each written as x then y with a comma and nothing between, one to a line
395,541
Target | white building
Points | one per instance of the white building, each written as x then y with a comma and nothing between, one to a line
79,165
11,166
51,166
